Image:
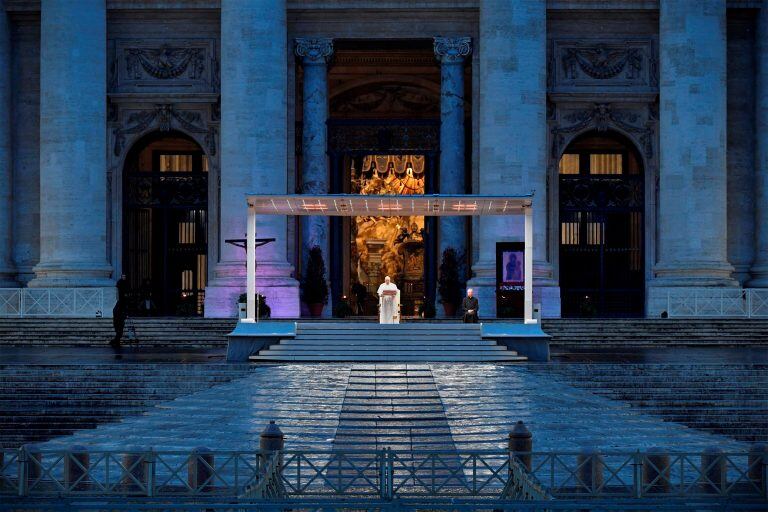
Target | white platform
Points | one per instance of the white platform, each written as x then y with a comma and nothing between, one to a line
371,342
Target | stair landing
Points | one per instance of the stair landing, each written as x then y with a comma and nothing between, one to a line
359,342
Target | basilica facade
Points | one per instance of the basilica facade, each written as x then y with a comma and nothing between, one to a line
133,130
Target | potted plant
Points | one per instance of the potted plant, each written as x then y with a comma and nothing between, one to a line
448,284
264,311
428,309
314,288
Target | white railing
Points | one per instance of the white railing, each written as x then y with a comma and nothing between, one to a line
718,303
72,302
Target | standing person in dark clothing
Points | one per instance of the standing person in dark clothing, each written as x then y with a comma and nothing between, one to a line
469,306
120,311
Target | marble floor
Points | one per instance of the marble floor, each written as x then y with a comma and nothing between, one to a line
472,406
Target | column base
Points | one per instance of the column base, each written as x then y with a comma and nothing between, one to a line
273,280
7,275
759,275
72,275
695,274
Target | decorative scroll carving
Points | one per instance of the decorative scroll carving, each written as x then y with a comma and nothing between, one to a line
403,99
165,117
165,62
601,117
605,63
421,136
452,49
314,50
143,65
601,63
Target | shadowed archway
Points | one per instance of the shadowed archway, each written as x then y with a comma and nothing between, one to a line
165,221
602,226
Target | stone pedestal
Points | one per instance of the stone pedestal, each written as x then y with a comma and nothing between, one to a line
760,265
73,225
253,154
692,187
512,153
451,52
6,213
314,54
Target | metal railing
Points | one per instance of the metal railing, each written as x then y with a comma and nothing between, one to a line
383,475
69,302
718,303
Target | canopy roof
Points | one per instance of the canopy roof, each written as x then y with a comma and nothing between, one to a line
350,205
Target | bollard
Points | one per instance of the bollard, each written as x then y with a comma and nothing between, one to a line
76,466
590,469
271,440
713,470
34,466
135,470
656,471
758,467
200,470
521,444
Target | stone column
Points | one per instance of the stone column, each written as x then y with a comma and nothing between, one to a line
6,211
760,265
73,65
692,187
254,62
512,57
314,54
451,52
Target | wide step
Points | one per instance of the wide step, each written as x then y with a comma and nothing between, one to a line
355,342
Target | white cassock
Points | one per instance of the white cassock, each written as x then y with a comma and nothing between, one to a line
389,306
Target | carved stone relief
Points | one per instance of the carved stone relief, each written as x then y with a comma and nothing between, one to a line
153,65
574,65
638,122
165,117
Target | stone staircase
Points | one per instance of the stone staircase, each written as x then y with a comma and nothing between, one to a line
729,399
647,332
146,332
369,342
211,332
39,402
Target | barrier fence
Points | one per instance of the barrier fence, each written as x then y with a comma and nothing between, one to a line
62,302
714,303
383,474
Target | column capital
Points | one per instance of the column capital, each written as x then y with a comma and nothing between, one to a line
314,50
450,50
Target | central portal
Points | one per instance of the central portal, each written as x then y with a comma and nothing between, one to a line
386,246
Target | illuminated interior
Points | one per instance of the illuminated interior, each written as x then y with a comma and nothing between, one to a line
394,245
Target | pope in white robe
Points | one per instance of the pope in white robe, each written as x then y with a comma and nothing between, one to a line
389,302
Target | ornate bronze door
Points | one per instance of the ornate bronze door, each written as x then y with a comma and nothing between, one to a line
165,231
601,234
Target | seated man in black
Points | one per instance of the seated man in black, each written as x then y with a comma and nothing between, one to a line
469,307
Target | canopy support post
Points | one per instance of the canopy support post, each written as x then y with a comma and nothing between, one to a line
528,284
250,266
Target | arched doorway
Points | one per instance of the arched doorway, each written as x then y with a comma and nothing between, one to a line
165,235
601,191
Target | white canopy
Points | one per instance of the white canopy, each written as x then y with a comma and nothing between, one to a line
353,205
350,205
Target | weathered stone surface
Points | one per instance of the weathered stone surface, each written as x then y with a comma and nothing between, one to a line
314,55
73,238
760,266
512,157
452,53
253,153
693,188
6,184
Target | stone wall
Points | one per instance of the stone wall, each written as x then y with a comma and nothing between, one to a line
141,100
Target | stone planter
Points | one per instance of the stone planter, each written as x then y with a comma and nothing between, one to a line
315,309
